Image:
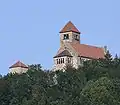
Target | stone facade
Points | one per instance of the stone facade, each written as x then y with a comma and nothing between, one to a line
70,41
72,37
18,70
71,51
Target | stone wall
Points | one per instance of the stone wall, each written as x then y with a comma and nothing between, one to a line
18,70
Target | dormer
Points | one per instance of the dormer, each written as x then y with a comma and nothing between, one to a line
69,34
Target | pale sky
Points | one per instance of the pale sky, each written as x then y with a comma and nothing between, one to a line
29,29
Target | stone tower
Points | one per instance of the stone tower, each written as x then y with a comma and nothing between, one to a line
18,68
71,51
69,34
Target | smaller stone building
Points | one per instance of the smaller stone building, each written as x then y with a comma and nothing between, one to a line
18,68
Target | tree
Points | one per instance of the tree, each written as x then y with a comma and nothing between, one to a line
96,83
0,76
100,92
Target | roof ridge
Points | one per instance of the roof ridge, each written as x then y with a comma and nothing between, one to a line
91,45
86,45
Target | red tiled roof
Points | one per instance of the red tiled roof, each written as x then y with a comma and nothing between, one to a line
88,51
18,64
69,27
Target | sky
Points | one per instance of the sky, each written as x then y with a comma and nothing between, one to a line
29,29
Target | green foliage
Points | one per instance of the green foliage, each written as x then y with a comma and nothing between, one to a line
100,92
96,83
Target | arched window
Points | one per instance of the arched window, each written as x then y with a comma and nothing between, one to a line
66,36
76,37
69,60
63,60
59,61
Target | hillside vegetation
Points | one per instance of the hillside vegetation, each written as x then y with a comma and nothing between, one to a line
96,83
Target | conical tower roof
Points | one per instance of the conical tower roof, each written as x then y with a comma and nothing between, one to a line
19,64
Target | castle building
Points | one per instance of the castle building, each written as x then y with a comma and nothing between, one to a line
71,51
18,68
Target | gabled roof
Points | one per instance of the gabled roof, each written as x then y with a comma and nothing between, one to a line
63,53
19,64
69,27
88,51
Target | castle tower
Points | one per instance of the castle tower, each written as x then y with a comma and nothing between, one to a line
69,34
72,52
18,68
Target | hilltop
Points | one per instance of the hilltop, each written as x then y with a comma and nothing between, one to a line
96,83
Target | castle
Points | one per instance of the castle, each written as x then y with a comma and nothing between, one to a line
71,51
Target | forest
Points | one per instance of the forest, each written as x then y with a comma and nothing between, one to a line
95,83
